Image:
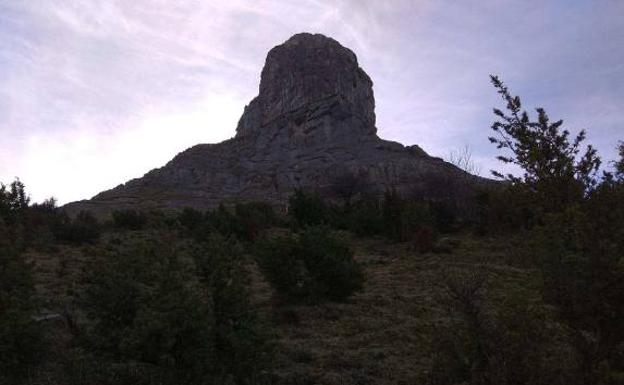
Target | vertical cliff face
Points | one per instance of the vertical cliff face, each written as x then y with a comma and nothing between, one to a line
313,118
306,75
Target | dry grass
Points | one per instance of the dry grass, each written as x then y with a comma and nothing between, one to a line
382,335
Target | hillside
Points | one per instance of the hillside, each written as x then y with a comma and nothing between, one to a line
384,335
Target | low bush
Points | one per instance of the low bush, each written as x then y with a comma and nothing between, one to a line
180,309
509,208
278,257
402,218
334,274
509,342
241,337
244,221
191,219
84,228
158,220
423,239
14,202
395,217
311,267
195,224
223,219
254,217
129,219
582,262
21,338
308,209
444,215
40,221
365,217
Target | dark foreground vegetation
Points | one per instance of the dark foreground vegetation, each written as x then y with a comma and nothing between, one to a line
522,283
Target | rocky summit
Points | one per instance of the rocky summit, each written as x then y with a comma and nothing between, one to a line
312,123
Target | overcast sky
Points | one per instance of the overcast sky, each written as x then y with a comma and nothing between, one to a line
94,93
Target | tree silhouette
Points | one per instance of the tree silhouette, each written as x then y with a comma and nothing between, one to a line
552,167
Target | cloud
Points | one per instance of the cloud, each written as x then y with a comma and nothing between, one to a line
95,93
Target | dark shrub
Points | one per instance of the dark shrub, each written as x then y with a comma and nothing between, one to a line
13,213
196,224
84,228
191,219
365,217
444,214
129,219
40,220
482,342
392,212
180,310
21,341
13,202
401,217
509,208
334,274
280,261
307,209
244,221
579,223
394,216
241,337
158,220
314,266
42,224
254,217
224,220
423,239
582,255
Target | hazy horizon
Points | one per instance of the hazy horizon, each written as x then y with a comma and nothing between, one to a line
98,93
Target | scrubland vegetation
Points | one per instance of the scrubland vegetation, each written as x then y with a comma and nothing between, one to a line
520,283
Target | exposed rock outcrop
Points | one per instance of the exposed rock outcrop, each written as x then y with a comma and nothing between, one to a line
313,118
307,79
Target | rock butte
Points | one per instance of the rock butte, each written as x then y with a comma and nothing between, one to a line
313,120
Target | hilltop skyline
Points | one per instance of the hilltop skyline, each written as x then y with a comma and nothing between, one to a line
98,94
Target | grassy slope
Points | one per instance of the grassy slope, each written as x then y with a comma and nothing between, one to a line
383,335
